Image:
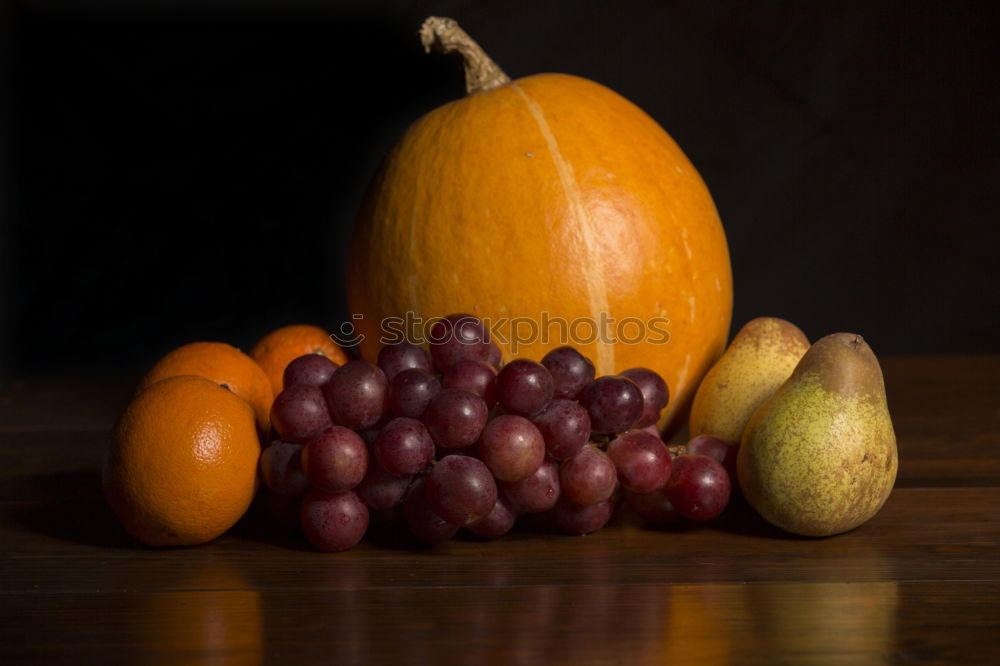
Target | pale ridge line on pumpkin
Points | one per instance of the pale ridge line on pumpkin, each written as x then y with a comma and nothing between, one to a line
414,305
597,290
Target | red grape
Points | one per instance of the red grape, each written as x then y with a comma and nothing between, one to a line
404,447
570,370
535,493
524,387
641,461
394,359
333,521
495,356
718,450
420,517
281,469
357,395
381,490
411,392
565,425
461,490
588,477
299,412
614,403
455,418
574,518
698,487
459,337
655,394
312,369
476,376
512,447
654,507
497,522
654,430
336,459
708,445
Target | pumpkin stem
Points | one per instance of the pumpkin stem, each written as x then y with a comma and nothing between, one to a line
444,34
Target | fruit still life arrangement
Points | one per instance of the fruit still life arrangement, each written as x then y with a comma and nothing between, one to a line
542,202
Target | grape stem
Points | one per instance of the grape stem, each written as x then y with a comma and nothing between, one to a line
600,441
445,35
677,450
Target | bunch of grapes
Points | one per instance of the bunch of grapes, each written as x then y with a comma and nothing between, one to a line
453,438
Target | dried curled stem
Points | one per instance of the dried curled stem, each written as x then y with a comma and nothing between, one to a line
445,35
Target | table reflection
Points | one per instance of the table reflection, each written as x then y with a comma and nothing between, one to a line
210,615
375,607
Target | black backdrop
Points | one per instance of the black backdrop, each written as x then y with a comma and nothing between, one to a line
190,171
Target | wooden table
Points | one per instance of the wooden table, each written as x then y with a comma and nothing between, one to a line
919,583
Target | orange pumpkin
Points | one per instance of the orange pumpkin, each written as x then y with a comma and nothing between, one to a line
549,199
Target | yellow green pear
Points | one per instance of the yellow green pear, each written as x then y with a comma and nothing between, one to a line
819,457
758,360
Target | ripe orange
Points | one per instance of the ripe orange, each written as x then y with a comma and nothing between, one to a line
223,364
280,347
182,468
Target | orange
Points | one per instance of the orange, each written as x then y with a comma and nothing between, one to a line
280,347
182,468
559,213
223,364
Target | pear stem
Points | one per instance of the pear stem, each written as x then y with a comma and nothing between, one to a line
445,35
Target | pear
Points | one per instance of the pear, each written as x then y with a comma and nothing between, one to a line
819,457
758,360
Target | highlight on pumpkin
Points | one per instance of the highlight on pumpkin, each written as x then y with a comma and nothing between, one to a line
516,332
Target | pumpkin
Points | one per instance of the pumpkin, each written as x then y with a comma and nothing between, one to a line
549,203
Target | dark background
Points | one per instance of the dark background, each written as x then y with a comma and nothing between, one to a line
190,171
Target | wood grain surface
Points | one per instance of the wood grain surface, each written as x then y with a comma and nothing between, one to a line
920,583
